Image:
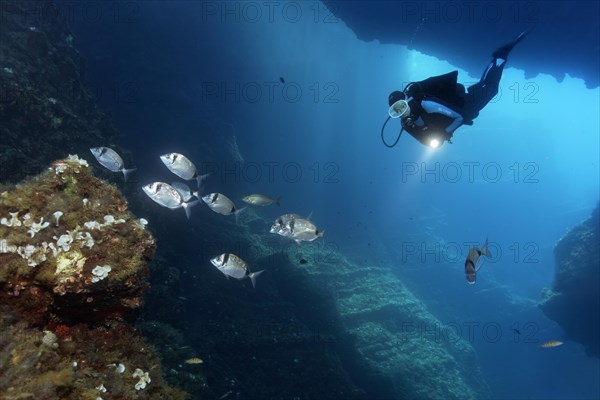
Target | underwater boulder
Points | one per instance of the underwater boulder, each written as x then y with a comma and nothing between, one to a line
73,267
69,248
573,300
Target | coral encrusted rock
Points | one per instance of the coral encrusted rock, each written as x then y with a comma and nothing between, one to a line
90,263
73,265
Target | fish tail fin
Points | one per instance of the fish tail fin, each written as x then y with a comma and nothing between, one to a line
200,178
126,172
277,199
253,276
187,207
484,250
237,213
320,233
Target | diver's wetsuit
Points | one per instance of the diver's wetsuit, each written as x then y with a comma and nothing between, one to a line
439,104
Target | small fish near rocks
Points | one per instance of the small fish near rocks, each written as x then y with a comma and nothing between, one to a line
183,167
221,204
233,266
109,159
169,197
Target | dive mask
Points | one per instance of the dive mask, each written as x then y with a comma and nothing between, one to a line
399,109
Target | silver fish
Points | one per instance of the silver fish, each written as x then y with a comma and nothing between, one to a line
109,159
231,265
221,204
281,225
185,191
297,228
473,258
261,200
181,166
167,196
303,230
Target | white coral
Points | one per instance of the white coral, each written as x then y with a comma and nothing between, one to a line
54,249
7,248
37,226
64,242
33,255
57,216
144,379
13,221
92,225
75,158
100,273
86,239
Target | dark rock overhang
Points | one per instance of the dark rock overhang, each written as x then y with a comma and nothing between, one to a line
564,38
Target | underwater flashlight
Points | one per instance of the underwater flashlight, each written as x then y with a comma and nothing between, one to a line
434,143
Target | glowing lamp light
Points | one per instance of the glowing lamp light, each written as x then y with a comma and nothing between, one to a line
434,143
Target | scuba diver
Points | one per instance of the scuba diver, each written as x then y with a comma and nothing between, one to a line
432,109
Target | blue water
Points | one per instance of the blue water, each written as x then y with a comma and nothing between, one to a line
522,175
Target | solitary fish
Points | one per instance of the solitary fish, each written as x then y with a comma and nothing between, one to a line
194,360
167,196
231,265
109,159
261,200
185,191
472,259
551,343
181,166
221,204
